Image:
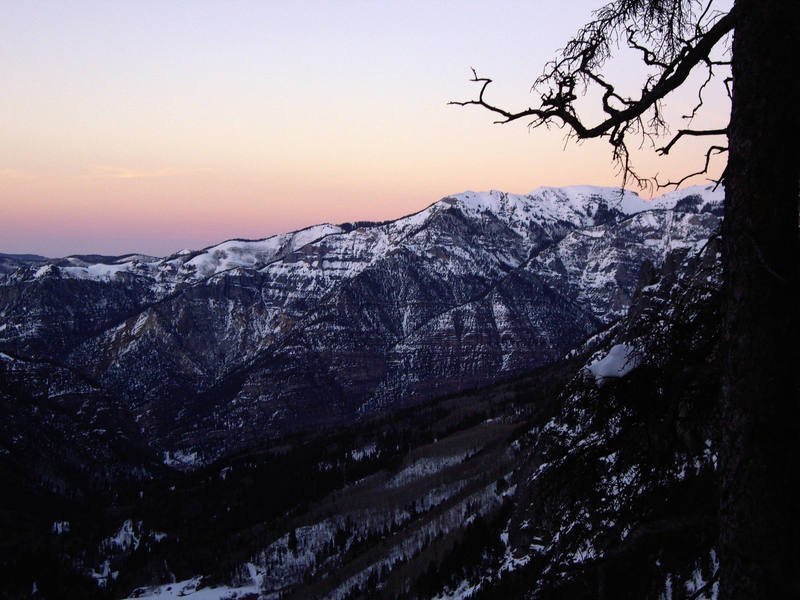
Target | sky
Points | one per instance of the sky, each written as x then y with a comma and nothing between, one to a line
156,126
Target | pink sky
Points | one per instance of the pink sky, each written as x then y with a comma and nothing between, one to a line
153,126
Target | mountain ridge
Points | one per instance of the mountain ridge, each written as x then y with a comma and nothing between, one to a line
476,400
631,202
471,289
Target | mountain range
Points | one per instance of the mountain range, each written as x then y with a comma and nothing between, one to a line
249,340
360,355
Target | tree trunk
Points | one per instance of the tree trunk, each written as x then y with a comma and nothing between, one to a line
760,399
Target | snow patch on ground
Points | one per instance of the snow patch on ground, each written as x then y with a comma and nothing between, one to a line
709,193
195,590
182,459
125,539
464,590
96,272
44,271
254,253
425,467
361,453
619,361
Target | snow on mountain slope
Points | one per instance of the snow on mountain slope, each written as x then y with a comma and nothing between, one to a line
128,369
320,325
599,265
188,265
574,205
245,253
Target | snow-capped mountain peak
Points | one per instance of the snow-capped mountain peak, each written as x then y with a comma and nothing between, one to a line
574,206
476,286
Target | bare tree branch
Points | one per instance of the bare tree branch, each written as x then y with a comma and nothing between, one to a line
669,39
702,87
693,132
558,105
713,150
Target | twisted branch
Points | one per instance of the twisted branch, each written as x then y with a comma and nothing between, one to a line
692,132
675,54
713,150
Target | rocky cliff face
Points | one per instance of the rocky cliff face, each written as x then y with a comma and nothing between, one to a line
592,477
142,400
247,340
617,493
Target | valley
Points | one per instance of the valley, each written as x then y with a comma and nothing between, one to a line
407,409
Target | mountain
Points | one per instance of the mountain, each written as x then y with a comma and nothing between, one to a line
501,396
11,262
592,477
218,349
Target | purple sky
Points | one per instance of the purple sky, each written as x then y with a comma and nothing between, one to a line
153,126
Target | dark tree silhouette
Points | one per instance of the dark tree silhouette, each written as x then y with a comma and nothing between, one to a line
759,466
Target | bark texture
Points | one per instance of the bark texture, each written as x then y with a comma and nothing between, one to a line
759,455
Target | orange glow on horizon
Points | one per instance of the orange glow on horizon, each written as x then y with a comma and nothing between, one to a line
245,121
